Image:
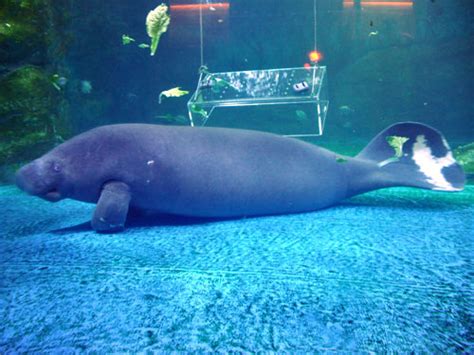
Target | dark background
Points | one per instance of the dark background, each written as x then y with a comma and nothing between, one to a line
385,63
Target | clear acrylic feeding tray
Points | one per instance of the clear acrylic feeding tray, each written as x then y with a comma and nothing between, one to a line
291,101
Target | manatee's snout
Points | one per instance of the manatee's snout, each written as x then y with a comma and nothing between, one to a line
27,179
40,179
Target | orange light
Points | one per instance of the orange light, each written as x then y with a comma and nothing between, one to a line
194,7
349,3
315,56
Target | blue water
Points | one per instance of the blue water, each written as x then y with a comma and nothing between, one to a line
390,271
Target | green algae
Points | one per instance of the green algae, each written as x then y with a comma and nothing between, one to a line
22,33
27,110
465,157
33,115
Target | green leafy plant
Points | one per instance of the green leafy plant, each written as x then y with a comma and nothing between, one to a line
396,142
174,92
157,22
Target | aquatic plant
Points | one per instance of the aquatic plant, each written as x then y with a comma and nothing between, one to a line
33,107
396,143
23,30
28,102
25,83
16,30
10,150
465,157
157,22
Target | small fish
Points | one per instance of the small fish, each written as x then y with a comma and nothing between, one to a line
131,96
127,40
143,45
407,35
216,84
86,87
174,92
373,33
166,117
58,81
198,110
171,119
301,115
345,110
62,81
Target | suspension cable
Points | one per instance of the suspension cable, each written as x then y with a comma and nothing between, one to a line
315,25
201,34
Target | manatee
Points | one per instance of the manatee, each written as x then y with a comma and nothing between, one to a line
222,172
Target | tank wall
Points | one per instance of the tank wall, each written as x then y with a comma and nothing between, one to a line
387,61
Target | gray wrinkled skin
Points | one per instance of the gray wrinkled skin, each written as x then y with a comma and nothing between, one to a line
205,172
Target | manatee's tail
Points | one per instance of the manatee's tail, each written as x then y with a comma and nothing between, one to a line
423,160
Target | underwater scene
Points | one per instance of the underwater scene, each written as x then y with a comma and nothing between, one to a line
236,176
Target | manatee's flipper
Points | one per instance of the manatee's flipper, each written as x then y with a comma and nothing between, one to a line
426,160
112,207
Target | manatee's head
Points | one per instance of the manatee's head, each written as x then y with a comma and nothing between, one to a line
43,177
79,167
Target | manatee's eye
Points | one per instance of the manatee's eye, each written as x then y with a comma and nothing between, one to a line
56,167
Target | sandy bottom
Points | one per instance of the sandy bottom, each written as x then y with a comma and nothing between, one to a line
390,271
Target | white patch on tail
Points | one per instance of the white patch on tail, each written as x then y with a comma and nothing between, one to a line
431,166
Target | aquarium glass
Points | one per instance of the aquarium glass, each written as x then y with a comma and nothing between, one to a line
383,268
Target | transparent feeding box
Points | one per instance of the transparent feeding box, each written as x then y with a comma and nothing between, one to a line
290,101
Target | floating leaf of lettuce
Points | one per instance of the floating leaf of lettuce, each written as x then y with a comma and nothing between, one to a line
397,142
174,92
157,22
